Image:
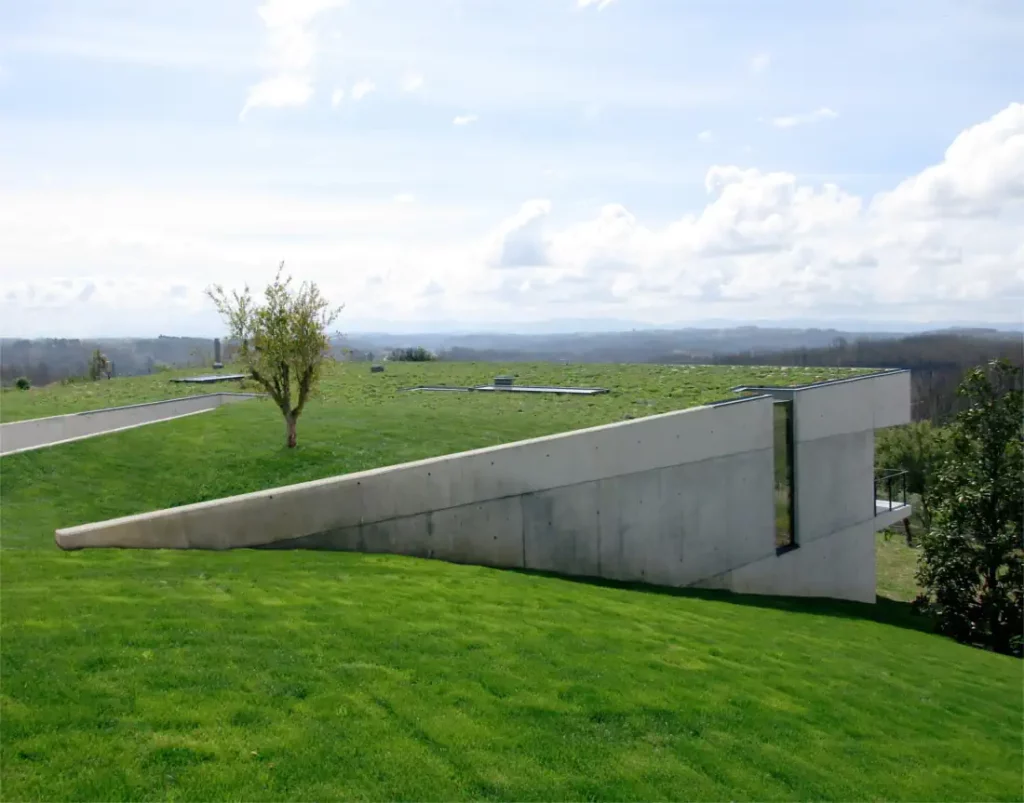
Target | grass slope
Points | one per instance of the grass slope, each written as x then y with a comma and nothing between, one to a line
58,399
268,676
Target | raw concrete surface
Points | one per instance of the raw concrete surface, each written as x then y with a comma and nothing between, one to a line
37,433
606,501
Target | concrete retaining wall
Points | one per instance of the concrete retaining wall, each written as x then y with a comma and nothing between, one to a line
37,433
667,499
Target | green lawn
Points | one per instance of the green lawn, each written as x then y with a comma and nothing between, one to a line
256,675
895,565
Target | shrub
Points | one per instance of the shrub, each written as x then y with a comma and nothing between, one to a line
22,383
418,354
99,366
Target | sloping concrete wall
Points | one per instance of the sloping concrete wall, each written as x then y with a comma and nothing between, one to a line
36,433
666,499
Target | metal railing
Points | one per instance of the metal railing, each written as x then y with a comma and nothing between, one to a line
893,485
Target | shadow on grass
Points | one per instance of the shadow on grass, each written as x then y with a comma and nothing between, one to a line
884,610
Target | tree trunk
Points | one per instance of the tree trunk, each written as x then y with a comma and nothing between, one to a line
290,421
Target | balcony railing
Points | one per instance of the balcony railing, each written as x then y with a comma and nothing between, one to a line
890,489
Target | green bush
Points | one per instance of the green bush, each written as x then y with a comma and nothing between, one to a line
22,383
418,354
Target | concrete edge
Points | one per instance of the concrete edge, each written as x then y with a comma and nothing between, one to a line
825,384
888,518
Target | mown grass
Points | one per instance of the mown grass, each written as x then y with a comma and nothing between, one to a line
294,675
896,565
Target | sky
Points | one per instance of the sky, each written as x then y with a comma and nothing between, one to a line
494,163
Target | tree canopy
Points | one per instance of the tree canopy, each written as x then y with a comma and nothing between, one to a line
972,562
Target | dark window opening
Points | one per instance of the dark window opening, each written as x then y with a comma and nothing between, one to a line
785,524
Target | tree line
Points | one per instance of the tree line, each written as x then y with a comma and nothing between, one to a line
47,360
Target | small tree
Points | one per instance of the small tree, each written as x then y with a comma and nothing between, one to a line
99,366
972,561
22,383
282,342
918,449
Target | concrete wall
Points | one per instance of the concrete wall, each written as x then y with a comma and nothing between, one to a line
834,439
680,499
37,433
666,499
841,566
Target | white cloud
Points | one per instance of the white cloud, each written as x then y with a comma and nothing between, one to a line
412,82
792,120
706,136
363,88
278,92
519,241
982,171
760,63
943,244
941,240
293,49
337,96
601,4
465,119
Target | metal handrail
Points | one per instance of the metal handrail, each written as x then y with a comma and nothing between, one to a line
890,477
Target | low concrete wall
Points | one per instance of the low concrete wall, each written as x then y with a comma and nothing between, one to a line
667,499
37,433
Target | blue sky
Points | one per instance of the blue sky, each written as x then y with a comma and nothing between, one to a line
468,160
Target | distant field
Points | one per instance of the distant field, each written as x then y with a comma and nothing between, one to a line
294,675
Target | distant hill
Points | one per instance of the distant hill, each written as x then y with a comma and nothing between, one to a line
640,345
